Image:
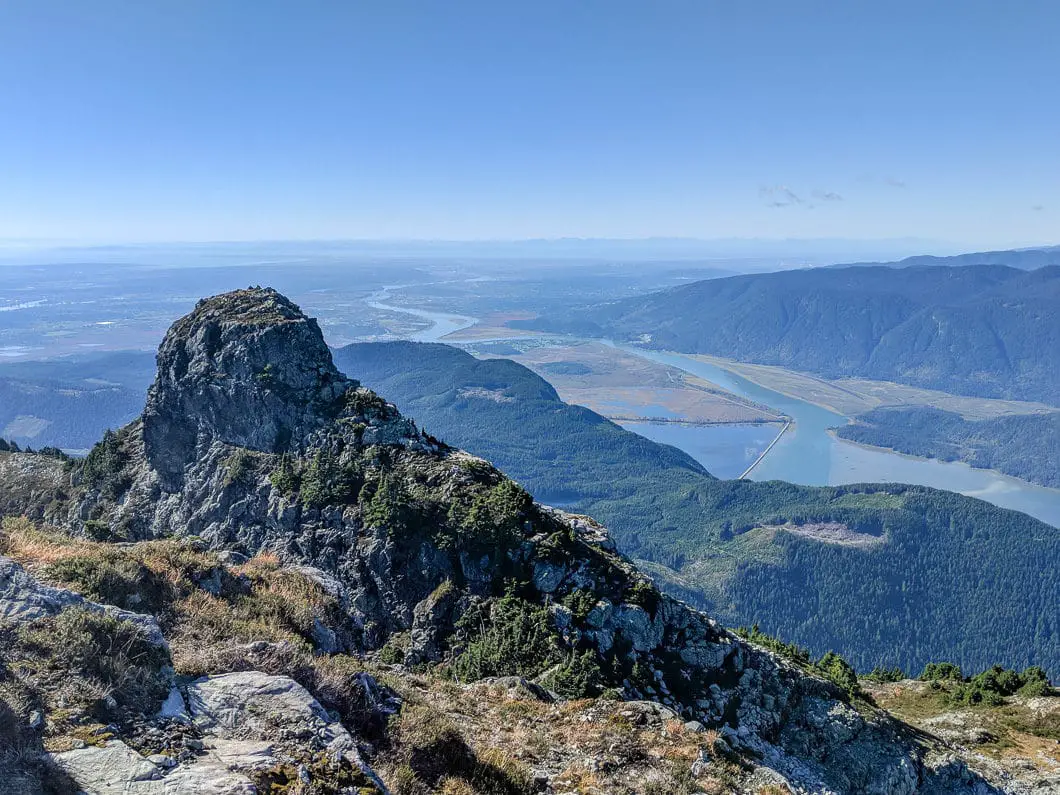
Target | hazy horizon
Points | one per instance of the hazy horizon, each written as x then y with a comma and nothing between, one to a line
178,121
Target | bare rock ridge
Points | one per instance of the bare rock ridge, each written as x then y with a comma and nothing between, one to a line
253,442
245,368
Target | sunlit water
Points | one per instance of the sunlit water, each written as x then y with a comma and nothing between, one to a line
725,450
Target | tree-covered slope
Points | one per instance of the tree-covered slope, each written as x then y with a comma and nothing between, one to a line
984,330
567,455
64,403
283,531
1022,445
885,574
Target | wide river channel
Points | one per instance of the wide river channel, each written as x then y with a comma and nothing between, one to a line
806,453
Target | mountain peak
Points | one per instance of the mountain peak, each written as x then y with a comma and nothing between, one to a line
246,368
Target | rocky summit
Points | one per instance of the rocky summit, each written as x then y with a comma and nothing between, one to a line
274,582
247,369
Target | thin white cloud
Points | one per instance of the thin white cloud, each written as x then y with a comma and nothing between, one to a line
827,196
779,196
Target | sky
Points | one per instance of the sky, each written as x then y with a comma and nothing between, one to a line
181,120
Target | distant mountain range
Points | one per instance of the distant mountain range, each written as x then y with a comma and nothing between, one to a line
1025,259
985,330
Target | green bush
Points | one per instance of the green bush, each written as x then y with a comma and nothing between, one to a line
109,656
883,674
839,671
99,530
643,593
791,651
393,651
238,466
580,602
496,517
103,467
578,677
385,504
516,638
110,577
1035,683
319,480
941,672
285,478
990,687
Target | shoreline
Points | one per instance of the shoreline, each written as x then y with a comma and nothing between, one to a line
727,365
911,457
694,423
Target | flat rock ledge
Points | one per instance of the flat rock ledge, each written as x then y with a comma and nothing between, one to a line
251,722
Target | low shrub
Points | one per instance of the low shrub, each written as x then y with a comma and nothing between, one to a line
511,637
883,674
941,672
578,677
839,671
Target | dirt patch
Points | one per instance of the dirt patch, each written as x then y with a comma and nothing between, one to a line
496,395
830,533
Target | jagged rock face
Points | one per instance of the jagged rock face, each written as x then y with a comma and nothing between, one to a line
246,368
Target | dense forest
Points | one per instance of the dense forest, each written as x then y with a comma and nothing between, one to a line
1024,446
62,403
915,574
986,330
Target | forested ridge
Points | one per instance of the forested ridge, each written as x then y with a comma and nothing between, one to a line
986,330
928,575
63,403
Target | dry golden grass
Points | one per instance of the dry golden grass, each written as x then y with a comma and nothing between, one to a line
455,786
24,542
587,746
448,738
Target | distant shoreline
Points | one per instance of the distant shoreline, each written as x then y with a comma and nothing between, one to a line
911,457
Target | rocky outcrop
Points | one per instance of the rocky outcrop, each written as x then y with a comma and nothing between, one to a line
252,441
255,729
247,369
24,599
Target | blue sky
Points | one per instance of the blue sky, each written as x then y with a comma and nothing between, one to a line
228,119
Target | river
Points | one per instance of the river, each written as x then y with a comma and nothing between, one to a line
807,453
441,323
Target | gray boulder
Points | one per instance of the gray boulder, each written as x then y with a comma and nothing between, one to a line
250,722
24,599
